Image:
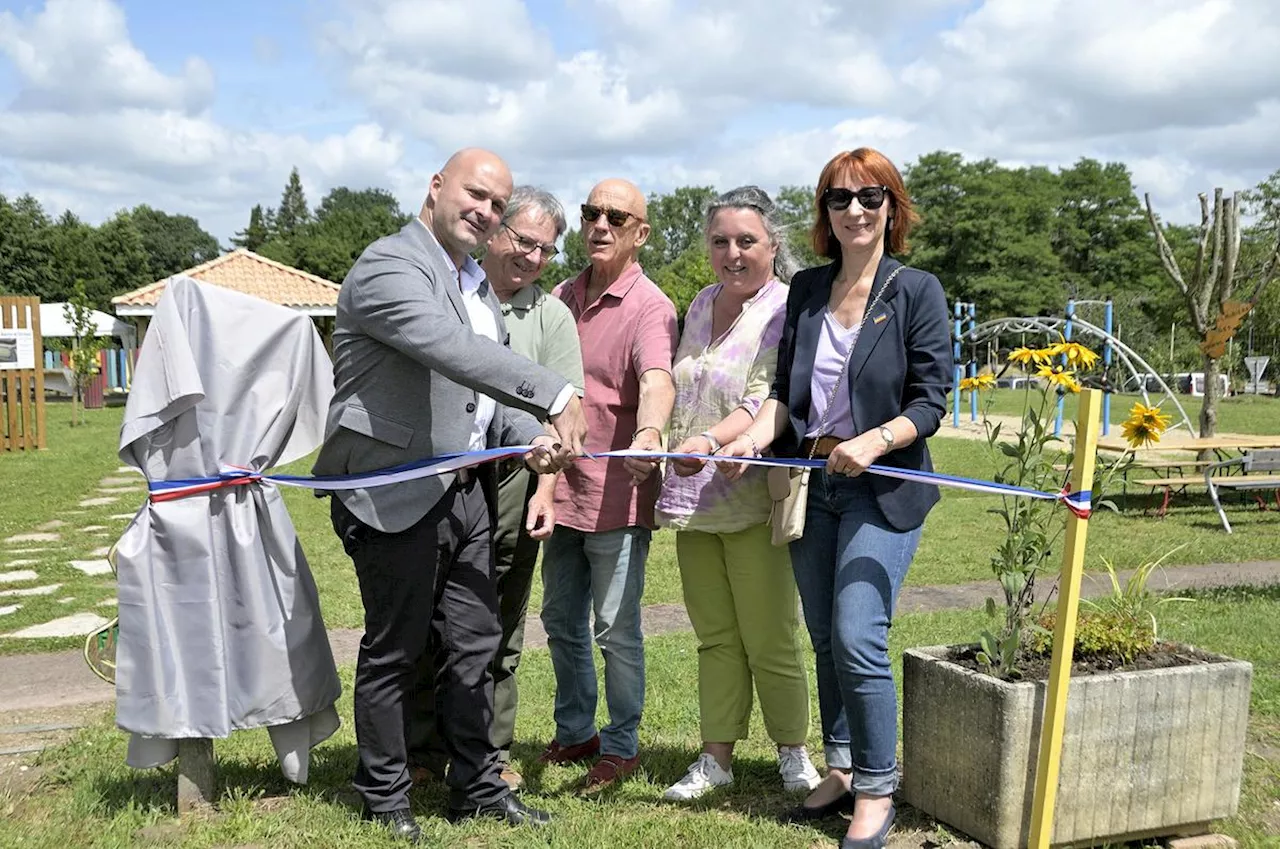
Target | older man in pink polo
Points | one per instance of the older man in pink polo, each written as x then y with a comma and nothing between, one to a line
594,560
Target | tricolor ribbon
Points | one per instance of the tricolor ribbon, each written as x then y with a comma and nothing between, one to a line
1078,503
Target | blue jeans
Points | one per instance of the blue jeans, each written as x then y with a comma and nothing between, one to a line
601,573
849,566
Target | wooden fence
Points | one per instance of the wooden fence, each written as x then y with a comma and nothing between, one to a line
22,423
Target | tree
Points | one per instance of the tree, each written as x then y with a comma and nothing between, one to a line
293,213
256,234
172,243
123,259
85,346
683,279
569,263
76,261
676,223
1209,287
345,223
26,249
796,209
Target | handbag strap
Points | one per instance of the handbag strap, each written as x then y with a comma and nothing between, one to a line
831,398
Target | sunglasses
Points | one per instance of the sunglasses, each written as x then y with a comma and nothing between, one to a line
527,246
616,217
869,197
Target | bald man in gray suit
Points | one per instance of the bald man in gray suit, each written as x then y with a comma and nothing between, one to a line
421,369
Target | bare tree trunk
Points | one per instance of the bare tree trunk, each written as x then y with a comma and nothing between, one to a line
1212,395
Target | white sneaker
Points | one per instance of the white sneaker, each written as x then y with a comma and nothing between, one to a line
796,768
703,775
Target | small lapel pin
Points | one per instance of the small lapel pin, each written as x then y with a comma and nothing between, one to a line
881,317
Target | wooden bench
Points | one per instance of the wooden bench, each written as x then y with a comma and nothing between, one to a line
1251,463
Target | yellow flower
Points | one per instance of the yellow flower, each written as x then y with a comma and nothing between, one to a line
1144,425
1058,376
1077,355
1029,356
977,384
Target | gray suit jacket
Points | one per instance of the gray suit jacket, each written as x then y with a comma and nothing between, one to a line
407,368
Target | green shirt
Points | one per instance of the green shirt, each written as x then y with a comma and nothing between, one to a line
543,329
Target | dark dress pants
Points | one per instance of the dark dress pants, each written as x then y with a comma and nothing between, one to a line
516,558
430,585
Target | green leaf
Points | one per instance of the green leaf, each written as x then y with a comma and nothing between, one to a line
992,610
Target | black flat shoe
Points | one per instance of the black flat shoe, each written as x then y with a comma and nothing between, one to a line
875,841
401,823
842,804
509,809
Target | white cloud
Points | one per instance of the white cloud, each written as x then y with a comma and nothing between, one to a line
76,54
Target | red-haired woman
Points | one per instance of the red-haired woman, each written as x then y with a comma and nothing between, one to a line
863,371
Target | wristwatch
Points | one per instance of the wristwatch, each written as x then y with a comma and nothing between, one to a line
887,436
715,443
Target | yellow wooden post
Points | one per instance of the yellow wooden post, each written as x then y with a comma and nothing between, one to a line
1064,632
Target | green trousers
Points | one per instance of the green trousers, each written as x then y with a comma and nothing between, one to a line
741,597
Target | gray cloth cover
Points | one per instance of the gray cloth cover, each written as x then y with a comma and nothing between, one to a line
220,625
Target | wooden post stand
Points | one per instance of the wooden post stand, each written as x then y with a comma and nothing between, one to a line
1064,632
22,426
197,775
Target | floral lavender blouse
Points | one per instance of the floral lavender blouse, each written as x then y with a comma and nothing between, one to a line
714,377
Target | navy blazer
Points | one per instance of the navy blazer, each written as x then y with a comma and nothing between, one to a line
901,366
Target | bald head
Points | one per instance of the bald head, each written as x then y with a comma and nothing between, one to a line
465,203
620,194
614,246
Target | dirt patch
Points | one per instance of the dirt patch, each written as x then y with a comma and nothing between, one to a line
1036,668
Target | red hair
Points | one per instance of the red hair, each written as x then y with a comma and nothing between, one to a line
873,168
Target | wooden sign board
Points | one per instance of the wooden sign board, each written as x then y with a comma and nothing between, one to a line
22,422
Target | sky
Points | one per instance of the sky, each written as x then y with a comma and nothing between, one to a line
203,108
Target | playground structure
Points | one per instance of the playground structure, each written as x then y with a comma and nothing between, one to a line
1118,359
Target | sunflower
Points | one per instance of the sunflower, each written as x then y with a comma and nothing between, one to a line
1058,376
1029,356
1077,355
1144,425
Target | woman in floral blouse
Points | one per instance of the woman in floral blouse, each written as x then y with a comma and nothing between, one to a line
738,588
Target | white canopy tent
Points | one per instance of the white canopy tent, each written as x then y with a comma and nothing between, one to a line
53,323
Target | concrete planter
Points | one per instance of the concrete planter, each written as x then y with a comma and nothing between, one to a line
1144,754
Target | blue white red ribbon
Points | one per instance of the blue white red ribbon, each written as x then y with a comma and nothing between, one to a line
1078,503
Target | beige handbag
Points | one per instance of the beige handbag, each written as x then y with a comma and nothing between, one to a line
789,487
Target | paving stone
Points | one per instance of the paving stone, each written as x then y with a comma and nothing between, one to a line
28,550
132,481
76,625
17,576
111,602
52,525
13,564
41,537
88,529
125,516
91,567
100,552
9,608
48,589
98,502
67,600
117,490
122,469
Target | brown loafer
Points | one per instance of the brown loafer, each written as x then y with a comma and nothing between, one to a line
609,770
513,779
558,754
422,776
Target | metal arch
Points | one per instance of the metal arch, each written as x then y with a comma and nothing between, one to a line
1052,325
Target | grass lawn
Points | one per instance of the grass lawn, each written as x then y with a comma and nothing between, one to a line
956,546
81,794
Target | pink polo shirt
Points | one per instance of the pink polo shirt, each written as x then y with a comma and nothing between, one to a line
630,329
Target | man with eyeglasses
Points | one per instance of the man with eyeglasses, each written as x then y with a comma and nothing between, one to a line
594,560
540,328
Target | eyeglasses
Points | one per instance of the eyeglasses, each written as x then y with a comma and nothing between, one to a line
616,217
527,246
869,197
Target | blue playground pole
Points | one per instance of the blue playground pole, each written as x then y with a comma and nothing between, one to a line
1066,335
1106,368
955,387
973,364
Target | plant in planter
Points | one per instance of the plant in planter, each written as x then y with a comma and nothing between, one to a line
1154,737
